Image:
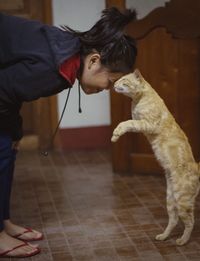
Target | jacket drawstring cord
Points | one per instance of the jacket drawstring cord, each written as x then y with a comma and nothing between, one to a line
79,97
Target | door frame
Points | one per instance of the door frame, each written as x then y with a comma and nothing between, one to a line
46,109
119,108
49,118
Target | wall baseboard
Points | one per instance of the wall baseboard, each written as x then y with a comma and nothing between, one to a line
86,137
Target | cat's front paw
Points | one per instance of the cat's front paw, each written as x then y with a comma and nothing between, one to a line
116,134
119,130
114,138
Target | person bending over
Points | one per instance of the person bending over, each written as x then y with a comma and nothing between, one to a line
38,60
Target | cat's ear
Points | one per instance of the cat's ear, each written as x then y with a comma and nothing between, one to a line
138,76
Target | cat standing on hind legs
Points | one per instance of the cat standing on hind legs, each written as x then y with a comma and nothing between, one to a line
151,117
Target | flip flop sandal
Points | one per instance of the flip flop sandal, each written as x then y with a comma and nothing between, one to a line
28,230
5,254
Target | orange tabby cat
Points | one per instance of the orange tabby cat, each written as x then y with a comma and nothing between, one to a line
170,145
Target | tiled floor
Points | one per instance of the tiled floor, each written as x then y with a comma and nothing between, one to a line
88,213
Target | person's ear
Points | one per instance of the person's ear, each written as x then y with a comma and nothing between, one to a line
94,60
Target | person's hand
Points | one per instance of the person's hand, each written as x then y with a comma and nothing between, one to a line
15,145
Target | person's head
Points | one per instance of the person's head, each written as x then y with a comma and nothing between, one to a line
106,52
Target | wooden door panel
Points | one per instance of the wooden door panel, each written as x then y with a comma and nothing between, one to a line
158,61
189,92
169,59
13,5
171,67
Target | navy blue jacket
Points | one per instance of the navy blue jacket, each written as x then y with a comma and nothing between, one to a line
30,56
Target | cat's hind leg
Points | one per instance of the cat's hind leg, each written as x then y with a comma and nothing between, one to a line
172,212
186,214
185,196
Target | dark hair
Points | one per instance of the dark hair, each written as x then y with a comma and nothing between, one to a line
117,50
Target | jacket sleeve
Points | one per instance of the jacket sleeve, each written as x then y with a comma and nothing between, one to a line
29,80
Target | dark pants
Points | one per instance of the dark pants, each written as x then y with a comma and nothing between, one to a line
7,162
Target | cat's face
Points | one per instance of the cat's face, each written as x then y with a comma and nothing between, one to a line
131,84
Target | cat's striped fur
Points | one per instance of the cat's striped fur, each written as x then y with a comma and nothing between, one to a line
170,145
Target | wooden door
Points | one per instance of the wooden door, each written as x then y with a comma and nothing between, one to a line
39,117
169,58
171,66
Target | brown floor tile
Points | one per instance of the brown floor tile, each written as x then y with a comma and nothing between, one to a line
58,246
195,256
107,254
62,256
174,257
87,212
150,256
143,244
128,251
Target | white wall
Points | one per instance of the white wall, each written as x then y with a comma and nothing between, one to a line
143,7
81,15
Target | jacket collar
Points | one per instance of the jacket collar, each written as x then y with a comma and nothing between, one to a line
69,68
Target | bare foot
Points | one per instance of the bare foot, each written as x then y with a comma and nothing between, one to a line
7,243
13,230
